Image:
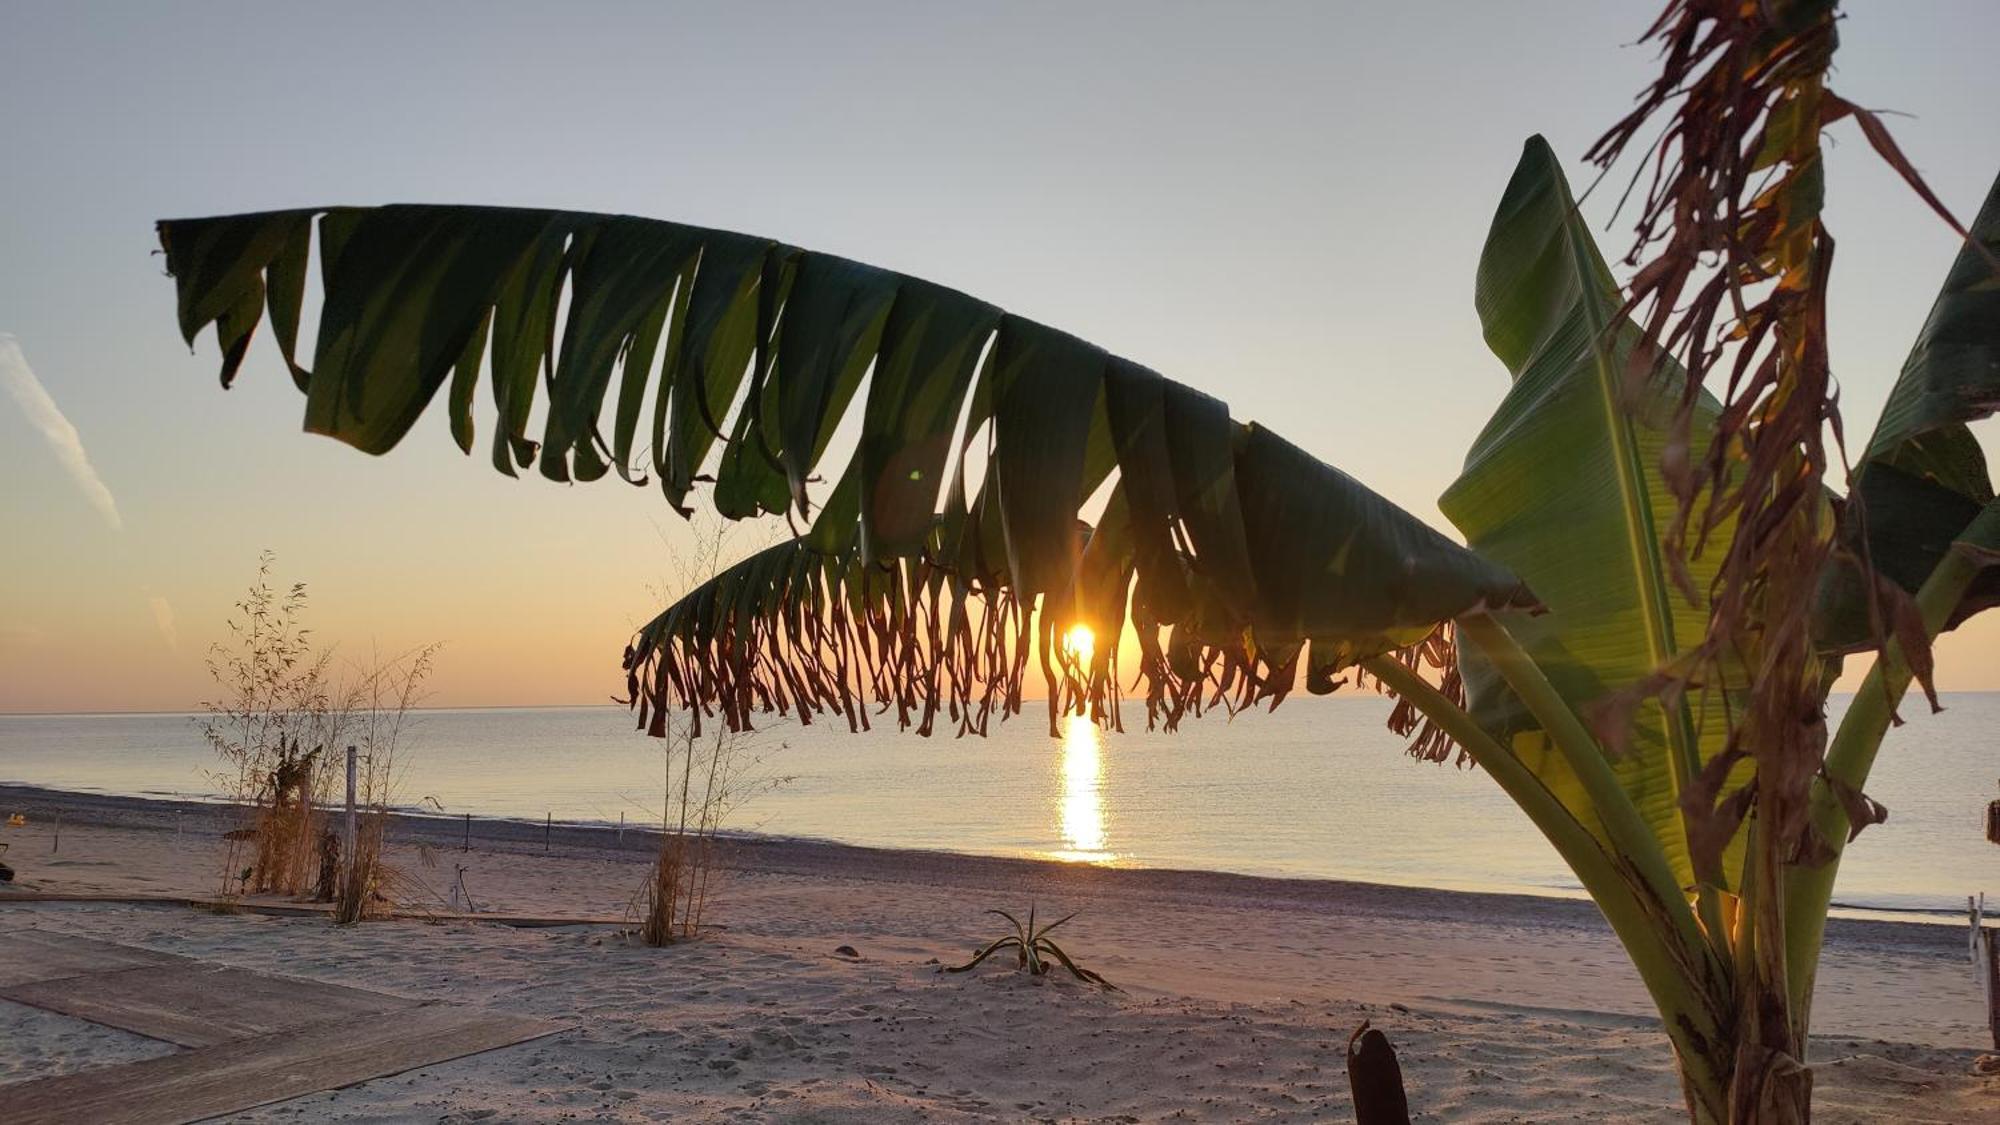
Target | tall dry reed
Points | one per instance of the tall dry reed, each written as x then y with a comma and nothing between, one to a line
277,714
386,694
706,779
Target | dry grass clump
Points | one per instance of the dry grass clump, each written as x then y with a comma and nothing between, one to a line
361,880
280,724
662,915
277,715
706,779
387,693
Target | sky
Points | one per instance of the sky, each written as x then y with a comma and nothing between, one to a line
1279,204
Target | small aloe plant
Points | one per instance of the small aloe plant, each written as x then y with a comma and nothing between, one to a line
1032,947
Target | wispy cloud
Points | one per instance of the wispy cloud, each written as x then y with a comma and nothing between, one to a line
43,413
163,617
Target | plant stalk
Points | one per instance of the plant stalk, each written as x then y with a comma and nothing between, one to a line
1673,964
1849,758
1623,827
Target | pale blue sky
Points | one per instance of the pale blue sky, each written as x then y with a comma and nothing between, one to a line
1280,204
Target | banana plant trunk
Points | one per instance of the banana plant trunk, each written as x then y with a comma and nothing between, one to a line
1752,1082
1751,1077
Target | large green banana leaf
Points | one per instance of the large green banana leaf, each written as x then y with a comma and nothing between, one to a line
1923,477
1245,548
1564,487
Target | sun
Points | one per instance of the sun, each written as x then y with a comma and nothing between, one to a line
1080,644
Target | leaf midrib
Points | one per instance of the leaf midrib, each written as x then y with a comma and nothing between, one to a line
1641,536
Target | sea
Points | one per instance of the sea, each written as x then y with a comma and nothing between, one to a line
1317,788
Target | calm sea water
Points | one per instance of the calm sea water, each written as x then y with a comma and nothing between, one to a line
1318,788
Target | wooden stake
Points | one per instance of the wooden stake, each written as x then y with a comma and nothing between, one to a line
468,833
57,845
1376,1079
347,844
1992,950
547,822
1975,910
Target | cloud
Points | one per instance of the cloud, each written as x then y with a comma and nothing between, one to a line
163,617
43,414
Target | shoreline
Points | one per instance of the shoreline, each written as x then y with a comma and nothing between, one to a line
798,856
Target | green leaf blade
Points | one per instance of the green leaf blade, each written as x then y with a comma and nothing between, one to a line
1564,488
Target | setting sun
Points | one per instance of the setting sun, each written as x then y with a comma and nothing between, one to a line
1080,644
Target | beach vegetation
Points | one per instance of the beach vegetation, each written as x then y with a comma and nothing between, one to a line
387,691
706,778
1034,951
284,713
1636,638
276,711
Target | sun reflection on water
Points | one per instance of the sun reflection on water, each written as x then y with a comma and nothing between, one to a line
1082,805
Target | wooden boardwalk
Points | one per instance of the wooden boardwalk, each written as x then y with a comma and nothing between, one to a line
29,956
250,1038
276,909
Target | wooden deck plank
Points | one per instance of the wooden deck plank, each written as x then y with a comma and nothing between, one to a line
278,909
34,955
197,1005
207,1081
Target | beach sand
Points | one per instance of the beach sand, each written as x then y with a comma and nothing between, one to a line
1238,993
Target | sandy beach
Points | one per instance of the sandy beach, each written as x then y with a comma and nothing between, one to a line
1237,993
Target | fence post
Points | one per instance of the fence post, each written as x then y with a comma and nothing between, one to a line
468,833
348,843
1992,950
548,822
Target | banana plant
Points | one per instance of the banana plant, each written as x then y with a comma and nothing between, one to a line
1566,487
1111,496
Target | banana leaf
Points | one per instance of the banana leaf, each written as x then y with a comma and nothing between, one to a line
1923,478
1243,547
1564,487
